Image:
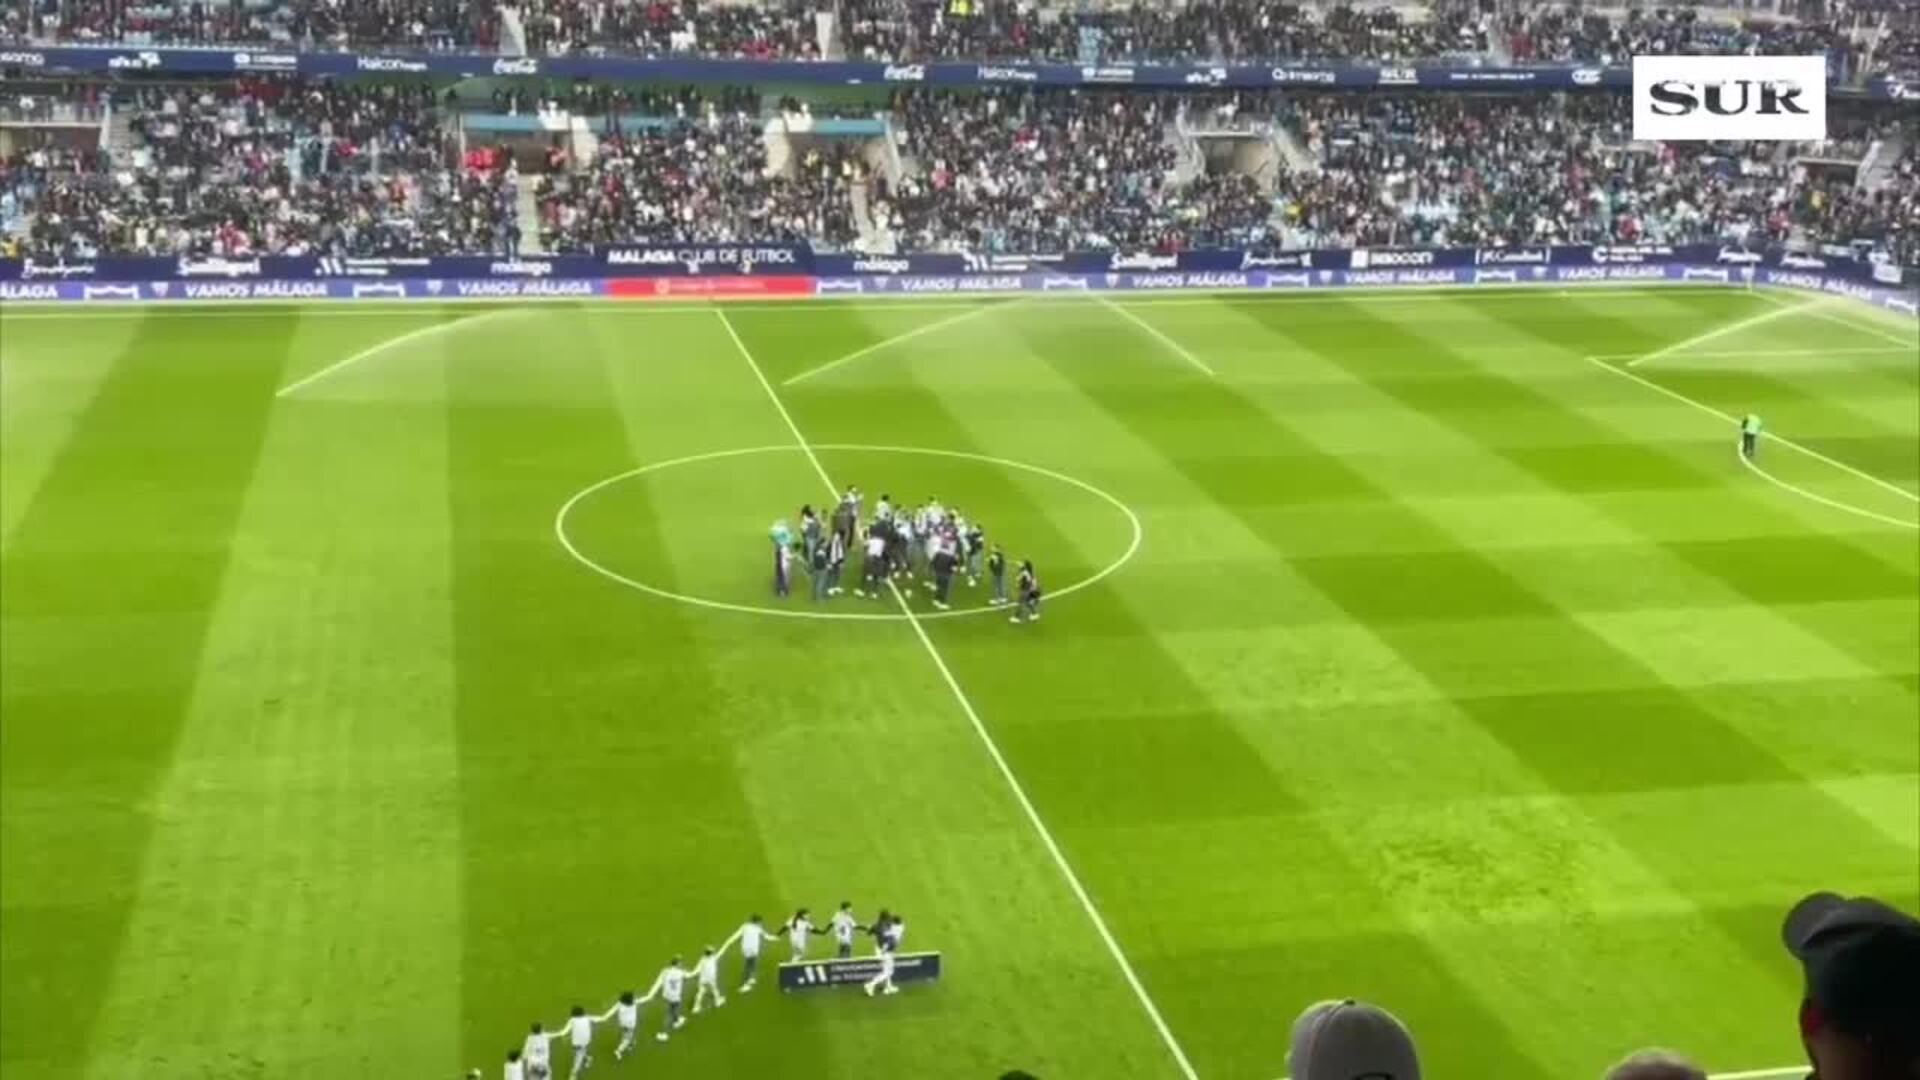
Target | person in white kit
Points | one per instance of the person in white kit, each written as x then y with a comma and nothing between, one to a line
580,1037
515,1070
626,1012
843,926
672,984
753,935
537,1052
706,972
888,931
798,929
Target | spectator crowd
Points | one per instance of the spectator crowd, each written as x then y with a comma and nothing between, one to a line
1201,30
1859,36
266,166
774,30
699,175
1480,171
282,165
1034,171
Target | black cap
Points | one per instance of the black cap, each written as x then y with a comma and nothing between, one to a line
1862,960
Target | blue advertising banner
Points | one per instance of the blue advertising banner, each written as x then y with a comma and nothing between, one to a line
638,261
823,974
776,261
907,285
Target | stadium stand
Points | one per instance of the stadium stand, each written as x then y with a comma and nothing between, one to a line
1204,29
281,165
1402,169
785,31
1859,36
697,175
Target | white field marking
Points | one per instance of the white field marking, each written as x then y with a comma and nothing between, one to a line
1878,350
394,342
566,541
1154,332
1779,440
1724,329
1834,315
1911,345
1369,294
1835,503
986,739
971,311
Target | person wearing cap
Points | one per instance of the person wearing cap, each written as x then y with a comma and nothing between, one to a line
1351,1040
1860,1011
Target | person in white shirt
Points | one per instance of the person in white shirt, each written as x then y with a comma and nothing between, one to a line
537,1052
579,1028
707,980
798,928
753,934
627,1013
514,1070
672,984
888,931
843,925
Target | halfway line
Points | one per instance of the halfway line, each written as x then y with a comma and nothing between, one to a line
1178,349
986,738
929,328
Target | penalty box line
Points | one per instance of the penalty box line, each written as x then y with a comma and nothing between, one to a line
986,737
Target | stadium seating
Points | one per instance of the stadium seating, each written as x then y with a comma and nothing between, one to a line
279,165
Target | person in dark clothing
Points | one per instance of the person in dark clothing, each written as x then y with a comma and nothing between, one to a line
836,562
1028,589
943,561
997,570
818,566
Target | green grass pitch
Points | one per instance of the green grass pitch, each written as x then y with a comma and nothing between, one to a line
1459,665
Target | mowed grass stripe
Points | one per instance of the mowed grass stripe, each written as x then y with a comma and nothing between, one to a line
1795,559
602,826
1077,1015
1557,543
49,372
307,823
1299,929
110,584
1122,749
814,721
1440,636
1677,742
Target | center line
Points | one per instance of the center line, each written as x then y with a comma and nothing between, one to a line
980,729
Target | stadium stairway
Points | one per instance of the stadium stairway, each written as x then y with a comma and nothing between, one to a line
513,31
117,136
527,205
1294,155
1877,168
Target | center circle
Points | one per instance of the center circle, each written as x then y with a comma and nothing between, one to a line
799,607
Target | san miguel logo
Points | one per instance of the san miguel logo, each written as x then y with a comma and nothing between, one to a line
1700,98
